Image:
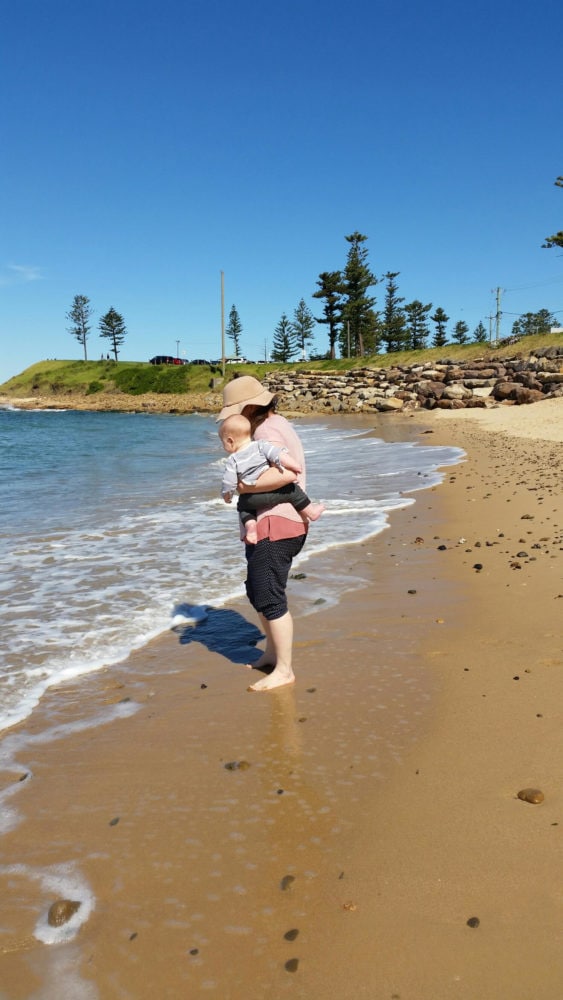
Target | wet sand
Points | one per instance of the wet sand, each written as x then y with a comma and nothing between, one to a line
367,813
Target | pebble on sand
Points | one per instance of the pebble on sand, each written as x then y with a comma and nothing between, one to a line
61,911
286,882
533,795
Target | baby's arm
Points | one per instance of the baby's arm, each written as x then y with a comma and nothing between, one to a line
229,484
280,456
289,462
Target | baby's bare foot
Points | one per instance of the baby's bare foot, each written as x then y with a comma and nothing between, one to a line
313,511
251,536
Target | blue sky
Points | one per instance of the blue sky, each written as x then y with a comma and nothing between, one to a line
147,147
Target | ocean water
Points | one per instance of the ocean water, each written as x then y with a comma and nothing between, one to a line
109,521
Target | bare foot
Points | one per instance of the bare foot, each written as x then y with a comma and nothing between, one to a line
251,534
264,662
277,678
313,511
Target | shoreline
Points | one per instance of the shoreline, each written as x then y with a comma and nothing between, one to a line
120,402
384,782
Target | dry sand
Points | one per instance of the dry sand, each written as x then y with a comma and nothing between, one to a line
378,812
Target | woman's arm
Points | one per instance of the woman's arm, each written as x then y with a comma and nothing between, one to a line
271,479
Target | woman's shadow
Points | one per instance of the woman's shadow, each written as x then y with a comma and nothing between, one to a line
219,629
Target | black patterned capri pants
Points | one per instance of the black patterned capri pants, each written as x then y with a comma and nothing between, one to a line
268,566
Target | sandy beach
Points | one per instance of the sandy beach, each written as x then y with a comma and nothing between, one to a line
358,834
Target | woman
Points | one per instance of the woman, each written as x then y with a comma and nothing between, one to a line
281,530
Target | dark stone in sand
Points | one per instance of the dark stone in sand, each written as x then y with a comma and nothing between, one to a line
61,911
532,795
237,765
521,555
442,548
320,600
194,951
286,882
291,935
291,965
133,936
298,576
478,567
473,922
203,687
114,821
411,591
279,791
311,690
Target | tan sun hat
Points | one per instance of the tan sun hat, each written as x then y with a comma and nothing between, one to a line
241,392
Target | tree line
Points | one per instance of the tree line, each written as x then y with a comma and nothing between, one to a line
354,326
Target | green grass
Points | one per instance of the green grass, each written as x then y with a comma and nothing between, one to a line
131,377
137,377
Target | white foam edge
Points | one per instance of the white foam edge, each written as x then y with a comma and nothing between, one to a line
61,881
14,743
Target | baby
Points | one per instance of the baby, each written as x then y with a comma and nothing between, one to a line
247,461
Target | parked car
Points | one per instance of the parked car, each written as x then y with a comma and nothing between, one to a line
167,359
236,361
199,361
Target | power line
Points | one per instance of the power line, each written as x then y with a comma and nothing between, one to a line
557,309
538,284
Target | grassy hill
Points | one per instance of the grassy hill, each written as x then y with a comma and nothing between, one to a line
47,378
91,377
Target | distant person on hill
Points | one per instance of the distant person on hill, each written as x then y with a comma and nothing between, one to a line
247,461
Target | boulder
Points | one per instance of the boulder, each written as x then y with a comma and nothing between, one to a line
386,405
457,391
503,390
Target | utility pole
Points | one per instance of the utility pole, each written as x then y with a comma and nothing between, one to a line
177,348
223,320
498,315
490,319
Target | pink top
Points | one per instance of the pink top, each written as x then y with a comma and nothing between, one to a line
281,521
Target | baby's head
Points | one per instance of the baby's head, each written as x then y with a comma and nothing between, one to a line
234,432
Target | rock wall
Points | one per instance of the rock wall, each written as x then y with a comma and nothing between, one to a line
444,384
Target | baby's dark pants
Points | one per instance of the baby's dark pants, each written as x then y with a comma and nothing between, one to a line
250,503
